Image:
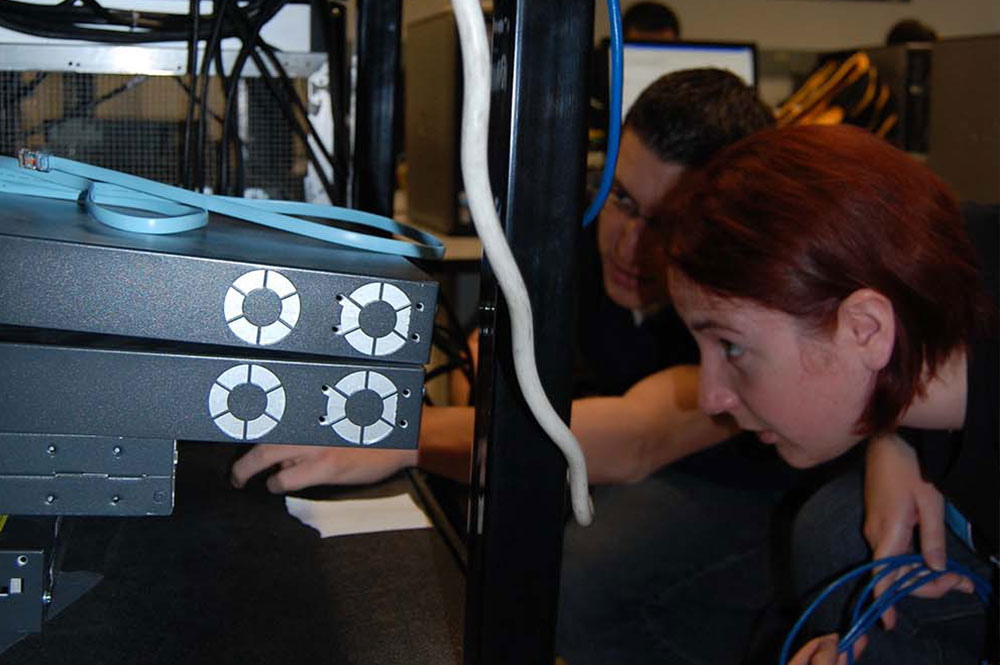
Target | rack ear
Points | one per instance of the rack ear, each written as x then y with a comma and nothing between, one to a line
866,320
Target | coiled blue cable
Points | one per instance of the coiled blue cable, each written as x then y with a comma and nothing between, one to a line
178,210
863,619
614,115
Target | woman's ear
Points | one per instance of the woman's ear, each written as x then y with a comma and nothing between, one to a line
866,320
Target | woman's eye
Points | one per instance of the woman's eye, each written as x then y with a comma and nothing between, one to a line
732,351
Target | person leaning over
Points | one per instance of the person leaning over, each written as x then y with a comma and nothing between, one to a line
835,294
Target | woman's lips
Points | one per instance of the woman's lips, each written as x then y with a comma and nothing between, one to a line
767,436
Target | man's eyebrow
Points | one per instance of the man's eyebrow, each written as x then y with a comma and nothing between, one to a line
617,184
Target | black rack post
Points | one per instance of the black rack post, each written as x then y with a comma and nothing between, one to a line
329,25
537,165
379,28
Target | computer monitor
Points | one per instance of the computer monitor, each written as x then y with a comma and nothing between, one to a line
644,62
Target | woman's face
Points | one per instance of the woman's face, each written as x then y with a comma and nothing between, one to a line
801,392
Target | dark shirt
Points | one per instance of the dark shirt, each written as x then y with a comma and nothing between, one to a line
965,465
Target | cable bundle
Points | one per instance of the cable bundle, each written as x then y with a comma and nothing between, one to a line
867,609
88,20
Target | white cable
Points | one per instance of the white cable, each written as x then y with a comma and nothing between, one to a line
475,173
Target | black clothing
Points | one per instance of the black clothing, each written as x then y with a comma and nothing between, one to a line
965,465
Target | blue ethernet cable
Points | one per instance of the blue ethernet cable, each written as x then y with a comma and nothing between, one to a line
178,210
863,619
614,115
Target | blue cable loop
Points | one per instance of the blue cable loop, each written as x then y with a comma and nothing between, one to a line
41,174
614,115
862,621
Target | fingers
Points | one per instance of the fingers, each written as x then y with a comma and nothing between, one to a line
818,651
930,515
944,584
859,646
259,458
823,651
887,548
296,476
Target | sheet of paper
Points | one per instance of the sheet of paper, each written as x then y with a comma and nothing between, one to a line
347,516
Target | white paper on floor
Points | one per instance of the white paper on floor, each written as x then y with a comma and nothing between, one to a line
347,516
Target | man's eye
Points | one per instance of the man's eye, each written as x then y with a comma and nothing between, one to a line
623,202
732,351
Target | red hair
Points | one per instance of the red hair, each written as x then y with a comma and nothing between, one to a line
798,218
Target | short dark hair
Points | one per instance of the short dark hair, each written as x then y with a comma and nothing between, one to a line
796,219
650,17
910,30
687,116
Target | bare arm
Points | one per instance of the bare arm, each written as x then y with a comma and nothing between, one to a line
656,422
624,439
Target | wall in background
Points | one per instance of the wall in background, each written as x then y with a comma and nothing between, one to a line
818,24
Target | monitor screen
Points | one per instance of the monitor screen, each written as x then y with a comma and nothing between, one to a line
644,62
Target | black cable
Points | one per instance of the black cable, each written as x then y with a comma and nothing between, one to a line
222,154
22,90
331,17
66,21
235,75
290,94
81,109
463,337
283,103
192,65
206,65
296,99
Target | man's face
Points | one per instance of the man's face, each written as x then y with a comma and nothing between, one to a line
625,237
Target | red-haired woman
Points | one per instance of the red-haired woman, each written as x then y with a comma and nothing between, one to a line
836,294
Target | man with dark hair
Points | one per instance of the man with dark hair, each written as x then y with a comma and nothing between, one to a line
650,21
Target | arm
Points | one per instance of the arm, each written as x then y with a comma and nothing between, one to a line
656,422
624,439
898,499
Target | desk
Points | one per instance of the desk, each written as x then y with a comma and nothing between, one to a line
230,577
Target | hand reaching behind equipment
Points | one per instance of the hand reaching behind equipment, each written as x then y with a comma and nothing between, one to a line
305,466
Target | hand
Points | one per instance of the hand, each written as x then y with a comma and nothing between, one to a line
897,499
305,466
823,651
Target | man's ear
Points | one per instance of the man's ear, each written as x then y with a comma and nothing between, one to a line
866,320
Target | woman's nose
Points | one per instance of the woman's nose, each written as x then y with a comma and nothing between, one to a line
714,394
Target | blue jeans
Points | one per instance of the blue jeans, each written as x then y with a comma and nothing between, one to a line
828,541
675,569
